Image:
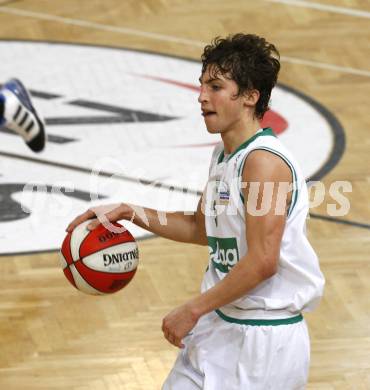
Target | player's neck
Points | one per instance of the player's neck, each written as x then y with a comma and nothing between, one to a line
234,137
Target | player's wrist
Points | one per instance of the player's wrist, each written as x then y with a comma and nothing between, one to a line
195,309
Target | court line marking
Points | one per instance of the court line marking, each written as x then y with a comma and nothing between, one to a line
149,182
323,65
7,2
325,7
341,221
99,26
146,182
57,250
168,38
113,175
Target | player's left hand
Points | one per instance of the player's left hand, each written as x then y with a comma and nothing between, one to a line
178,323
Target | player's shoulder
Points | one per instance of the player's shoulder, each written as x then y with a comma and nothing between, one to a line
262,164
268,148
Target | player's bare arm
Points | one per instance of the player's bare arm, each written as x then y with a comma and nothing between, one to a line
264,234
176,226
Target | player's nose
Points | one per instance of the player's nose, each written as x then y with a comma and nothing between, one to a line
203,96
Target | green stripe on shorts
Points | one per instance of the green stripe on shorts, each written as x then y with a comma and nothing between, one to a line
280,321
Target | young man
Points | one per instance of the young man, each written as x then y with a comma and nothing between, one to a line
19,115
245,330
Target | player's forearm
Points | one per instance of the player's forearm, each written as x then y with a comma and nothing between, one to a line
175,226
242,278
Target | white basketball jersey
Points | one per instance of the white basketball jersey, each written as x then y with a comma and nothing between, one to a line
298,283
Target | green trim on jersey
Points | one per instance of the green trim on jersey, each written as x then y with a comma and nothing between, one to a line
295,187
280,321
265,131
239,175
290,165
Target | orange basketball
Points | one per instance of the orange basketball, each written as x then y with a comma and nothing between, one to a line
100,261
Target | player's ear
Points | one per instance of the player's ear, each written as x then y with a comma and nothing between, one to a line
251,97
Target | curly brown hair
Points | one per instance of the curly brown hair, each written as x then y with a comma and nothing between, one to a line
249,60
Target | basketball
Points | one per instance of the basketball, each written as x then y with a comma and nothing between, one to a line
100,261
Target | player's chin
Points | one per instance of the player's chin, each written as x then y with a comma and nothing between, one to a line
212,129
211,123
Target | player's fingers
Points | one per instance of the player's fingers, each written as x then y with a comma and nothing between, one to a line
177,342
93,224
180,344
114,215
171,339
81,218
164,329
109,213
107,219
166,332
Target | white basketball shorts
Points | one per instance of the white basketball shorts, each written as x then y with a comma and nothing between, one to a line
220,355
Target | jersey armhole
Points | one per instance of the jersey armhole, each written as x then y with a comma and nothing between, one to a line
291,167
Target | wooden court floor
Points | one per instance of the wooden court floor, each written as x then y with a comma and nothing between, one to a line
52,337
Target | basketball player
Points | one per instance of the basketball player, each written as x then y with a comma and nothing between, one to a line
19,115
245,331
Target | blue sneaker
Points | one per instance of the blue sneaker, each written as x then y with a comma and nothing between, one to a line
20,115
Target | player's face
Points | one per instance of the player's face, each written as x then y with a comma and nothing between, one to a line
221,108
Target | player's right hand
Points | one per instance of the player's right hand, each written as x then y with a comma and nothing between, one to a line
99,215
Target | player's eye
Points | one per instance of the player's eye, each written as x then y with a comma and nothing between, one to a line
215,87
